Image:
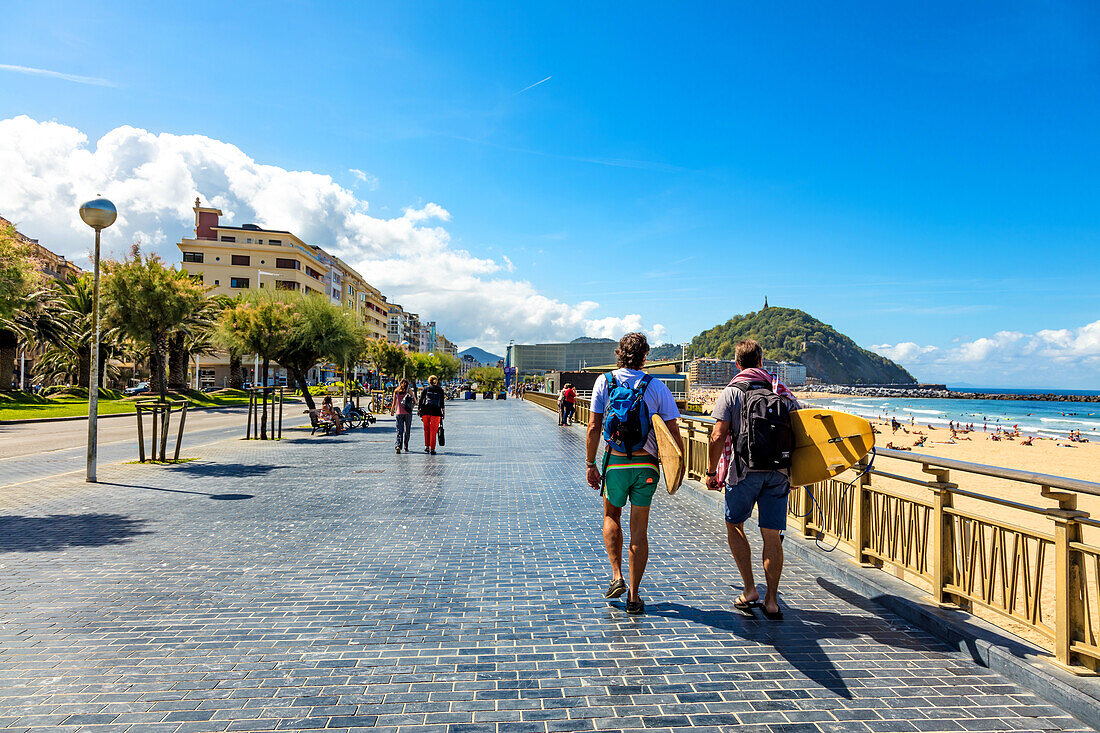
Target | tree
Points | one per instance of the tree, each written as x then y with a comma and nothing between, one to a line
489,379
423,366
259,323
389,359
19,279
66,355
322,330
146,301
195,335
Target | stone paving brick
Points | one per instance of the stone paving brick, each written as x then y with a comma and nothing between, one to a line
325,583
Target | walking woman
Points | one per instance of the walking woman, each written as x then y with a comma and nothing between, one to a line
431,412
402,406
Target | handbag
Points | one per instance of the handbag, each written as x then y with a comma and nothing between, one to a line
442,438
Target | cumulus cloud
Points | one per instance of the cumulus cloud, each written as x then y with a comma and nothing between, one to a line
1046,357
50,168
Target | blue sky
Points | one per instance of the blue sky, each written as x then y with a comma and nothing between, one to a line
922,178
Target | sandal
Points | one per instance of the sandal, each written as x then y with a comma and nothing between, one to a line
772,615
616,589
745,607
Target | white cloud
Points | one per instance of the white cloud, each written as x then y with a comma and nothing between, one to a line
371,182
1048,357
30,70
50,168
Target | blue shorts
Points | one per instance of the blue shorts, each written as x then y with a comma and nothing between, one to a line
767,490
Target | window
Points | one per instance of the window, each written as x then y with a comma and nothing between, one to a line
248,240
286,285
336,294
278,242
229,239
238,282
242,260
286,263
192,256
313,273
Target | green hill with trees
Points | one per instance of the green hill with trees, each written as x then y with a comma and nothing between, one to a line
789,334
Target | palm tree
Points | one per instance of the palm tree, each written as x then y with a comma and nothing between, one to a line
66,323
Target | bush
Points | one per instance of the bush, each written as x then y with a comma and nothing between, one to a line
54,389
80,392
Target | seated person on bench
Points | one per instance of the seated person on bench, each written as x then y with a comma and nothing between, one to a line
331,414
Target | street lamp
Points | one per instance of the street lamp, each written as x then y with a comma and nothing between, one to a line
98,214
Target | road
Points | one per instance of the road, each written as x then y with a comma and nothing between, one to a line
34,451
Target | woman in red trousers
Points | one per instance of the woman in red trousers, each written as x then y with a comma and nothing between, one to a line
431,404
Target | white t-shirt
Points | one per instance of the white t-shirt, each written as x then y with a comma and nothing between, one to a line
658,399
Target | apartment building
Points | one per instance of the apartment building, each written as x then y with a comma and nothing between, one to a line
235,259
50,264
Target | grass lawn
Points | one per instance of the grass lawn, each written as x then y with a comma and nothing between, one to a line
20,406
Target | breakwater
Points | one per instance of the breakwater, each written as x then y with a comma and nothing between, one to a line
940,394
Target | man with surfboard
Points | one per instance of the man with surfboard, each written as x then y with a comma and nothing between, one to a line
752,432
624,402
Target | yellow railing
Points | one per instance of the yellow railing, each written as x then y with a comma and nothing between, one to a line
1000,554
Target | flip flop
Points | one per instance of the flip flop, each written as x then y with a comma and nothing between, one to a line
745,607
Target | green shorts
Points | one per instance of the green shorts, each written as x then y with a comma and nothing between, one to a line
632,478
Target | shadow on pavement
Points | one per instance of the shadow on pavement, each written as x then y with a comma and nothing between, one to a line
61,531
222,497
222,470
797,638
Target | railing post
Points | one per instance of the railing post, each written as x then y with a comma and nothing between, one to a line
943,545
1069,593
861,514
805,510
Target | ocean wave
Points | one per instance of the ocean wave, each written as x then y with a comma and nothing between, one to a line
922,412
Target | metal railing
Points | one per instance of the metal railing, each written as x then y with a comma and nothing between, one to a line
1035,574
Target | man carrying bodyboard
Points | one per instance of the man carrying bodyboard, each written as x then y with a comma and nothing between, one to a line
752,439
623,403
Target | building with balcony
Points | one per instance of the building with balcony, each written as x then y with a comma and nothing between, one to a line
235,259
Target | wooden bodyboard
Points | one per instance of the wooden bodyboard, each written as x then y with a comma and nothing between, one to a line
668,452
826,443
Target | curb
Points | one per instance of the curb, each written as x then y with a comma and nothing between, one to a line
1008,655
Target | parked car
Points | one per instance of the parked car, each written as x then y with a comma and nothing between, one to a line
140,388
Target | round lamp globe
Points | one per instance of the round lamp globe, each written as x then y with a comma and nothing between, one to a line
98,213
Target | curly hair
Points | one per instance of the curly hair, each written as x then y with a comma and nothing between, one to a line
632,350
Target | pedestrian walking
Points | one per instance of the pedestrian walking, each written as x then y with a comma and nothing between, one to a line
432,400
568,405
623,402
756,458
402,406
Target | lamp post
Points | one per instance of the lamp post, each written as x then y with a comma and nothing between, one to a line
98,214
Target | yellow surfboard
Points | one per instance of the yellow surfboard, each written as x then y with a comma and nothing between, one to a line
826,443
668,452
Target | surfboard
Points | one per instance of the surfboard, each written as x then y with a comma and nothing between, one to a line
668,453
826,443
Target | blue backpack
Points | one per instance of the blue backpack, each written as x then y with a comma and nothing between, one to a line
626,422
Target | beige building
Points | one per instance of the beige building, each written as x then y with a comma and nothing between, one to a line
236,259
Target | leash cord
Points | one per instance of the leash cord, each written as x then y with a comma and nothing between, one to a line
843,495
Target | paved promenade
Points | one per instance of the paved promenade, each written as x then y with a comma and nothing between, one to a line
329,583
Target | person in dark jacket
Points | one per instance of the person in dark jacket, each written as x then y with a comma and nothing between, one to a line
431,407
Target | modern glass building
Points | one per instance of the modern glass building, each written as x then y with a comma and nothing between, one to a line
537,359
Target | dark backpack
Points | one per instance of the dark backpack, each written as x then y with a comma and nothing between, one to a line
408,402
626,422
431,399
765,440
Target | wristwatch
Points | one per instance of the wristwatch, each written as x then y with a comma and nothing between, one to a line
591,464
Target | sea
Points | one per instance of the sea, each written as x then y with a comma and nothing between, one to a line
1034,417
